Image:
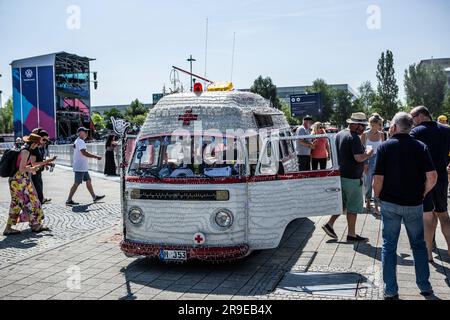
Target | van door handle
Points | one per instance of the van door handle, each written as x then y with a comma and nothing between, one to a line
329,190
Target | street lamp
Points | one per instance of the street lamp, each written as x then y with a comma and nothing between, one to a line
95,82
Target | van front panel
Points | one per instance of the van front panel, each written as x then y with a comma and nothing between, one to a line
174,213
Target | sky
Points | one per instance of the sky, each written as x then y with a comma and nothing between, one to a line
135,42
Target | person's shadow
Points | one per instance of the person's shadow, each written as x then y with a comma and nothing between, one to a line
25,240
84,208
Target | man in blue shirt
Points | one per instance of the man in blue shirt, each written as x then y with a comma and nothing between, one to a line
437,138
404,175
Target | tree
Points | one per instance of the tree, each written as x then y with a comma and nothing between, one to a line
366,100
386,102
113,112
139,119
6,117
426,85
344,108
136,109
286,109
446,103
98,121
328,96
265,88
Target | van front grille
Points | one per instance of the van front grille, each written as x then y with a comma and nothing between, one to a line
181,195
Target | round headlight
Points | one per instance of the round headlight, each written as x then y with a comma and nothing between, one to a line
136,215
224,218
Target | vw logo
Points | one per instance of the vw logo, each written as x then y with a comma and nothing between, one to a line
29,73
293,99
298,99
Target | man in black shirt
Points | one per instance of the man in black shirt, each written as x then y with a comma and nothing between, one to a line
437,138
351,158
404,175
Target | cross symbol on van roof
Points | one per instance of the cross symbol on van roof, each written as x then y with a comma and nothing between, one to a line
187,117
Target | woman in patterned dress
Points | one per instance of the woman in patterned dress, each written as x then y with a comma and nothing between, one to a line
25,205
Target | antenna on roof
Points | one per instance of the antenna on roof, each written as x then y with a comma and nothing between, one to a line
232,56
206,48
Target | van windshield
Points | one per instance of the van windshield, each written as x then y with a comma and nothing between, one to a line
187,157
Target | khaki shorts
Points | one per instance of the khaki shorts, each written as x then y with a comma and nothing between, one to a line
352,195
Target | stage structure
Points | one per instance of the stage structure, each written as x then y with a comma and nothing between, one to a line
52,92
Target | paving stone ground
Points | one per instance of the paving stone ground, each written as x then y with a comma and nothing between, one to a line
84,245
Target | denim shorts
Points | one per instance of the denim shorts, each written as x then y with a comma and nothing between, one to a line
81,176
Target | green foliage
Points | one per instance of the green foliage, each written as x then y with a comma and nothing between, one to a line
139,119
386,102
446,103
265,88
6,117
136,113
426,85
344,108
286,109
328,97
113,112
98,121
366,100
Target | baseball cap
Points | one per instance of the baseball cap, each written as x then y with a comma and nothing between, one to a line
82,129
307,117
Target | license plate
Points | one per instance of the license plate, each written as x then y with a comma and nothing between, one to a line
173,255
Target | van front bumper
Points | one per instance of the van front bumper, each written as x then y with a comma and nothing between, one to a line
193,253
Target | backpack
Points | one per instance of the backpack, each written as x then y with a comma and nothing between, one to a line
8,163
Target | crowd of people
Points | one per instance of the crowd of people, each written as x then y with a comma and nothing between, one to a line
26,185
404,172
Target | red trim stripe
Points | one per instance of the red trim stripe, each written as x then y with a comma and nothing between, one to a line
231,180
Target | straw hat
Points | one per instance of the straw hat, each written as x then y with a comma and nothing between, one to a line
32,138
358,118
442,118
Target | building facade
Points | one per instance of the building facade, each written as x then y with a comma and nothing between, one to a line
443,62
52,92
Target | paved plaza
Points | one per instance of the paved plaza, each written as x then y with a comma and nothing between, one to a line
81,259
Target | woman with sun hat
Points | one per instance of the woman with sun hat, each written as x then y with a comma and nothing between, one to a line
25,205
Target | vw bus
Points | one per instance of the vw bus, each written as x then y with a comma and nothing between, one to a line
183,201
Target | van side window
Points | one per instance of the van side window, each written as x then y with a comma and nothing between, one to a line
268,164
290,143
284,146
263,120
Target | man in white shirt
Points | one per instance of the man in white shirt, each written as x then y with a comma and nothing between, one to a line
81,167
304,147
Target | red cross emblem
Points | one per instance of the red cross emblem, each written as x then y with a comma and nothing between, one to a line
187,117
199,238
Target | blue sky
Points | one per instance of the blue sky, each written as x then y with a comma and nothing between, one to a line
136,42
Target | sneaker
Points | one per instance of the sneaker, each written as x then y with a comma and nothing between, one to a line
357,239
98,198
391,297
71,203
329,231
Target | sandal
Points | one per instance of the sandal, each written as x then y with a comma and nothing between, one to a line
11,232
40,229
